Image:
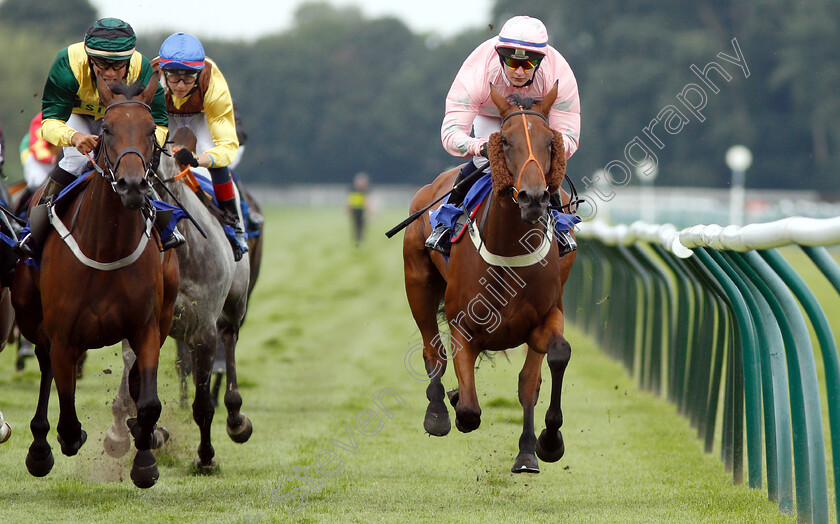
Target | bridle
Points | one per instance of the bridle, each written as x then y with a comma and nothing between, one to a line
531,157
574,199
109,173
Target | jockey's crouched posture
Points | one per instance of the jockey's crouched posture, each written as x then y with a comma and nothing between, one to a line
72,114
518,61
197,97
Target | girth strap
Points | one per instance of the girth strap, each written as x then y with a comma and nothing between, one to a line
65,235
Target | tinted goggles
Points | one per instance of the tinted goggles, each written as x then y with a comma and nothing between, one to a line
513,63
105,64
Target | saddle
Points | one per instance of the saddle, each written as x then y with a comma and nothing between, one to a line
458,218
203,189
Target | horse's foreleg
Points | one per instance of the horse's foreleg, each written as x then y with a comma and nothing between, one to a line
549,339
203,409
239,427
529,390
117,440
467,411
39,460
143,387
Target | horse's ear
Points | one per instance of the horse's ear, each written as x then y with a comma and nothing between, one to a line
106,96
151,88
501,104
544,106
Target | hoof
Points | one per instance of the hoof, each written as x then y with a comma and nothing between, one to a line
114,445
550,448
5,431
242,433
437,424
73,447
467,423
526,463
453,395
39,464
144,471
159,437
205,468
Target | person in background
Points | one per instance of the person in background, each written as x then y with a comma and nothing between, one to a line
197,97
357,204
37,156
519,61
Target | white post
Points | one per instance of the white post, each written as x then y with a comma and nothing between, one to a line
739,159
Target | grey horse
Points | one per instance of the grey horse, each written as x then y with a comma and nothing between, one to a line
211,305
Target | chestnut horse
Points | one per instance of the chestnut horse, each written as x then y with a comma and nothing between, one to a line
503,293
113,285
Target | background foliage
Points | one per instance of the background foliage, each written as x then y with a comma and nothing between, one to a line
339,93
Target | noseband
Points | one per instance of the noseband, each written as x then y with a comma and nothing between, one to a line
111,168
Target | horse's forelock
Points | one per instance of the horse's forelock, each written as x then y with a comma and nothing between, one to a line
525,102
128,90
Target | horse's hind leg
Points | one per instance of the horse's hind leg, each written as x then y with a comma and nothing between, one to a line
529,390
239,427
424,289
117,439
467,410
183,363
39,460
71,436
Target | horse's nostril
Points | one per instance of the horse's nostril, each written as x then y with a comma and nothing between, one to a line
122,185
544,198
523,198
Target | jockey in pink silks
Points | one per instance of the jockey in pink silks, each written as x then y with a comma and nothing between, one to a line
517,62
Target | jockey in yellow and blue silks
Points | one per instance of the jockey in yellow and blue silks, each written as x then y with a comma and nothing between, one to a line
72,113
197,97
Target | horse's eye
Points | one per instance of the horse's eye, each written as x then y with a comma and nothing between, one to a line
105,129
504,141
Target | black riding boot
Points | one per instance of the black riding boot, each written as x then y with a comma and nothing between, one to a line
441,238
565,241
240,244
58,180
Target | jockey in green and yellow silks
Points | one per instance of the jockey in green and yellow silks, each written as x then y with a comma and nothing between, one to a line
72,113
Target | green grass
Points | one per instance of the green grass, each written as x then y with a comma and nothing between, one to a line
328,329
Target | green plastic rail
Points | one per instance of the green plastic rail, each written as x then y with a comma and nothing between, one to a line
720,315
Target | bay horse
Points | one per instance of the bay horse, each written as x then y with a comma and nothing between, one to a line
502,294
211,303
116,286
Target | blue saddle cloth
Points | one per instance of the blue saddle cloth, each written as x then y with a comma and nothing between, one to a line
207,186
448,215
159,205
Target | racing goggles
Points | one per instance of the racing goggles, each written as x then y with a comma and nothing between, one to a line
105,64
180,75
526,65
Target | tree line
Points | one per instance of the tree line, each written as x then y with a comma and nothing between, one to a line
339,93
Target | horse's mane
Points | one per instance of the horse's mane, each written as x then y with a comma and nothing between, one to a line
128,90
502,178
